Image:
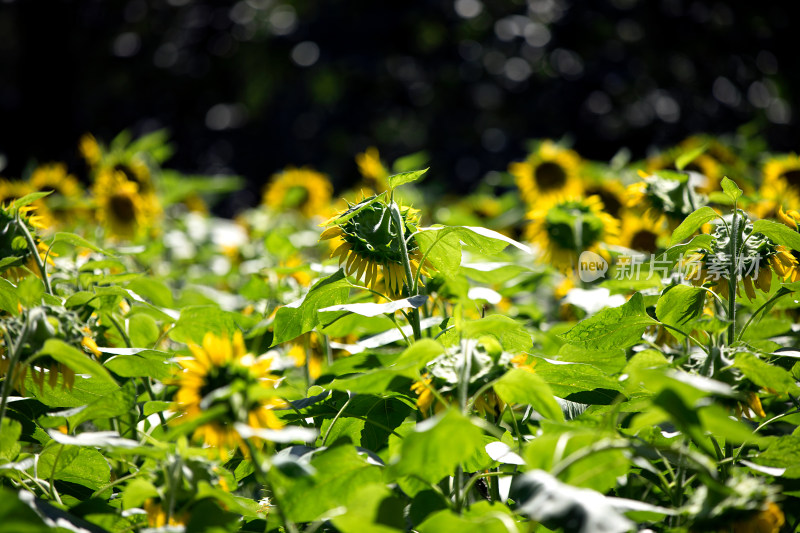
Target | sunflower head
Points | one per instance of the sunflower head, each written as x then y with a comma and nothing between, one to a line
643,234
368,240
122,207
780,183
303,190
551,170
564,228
221,376
664,193
14,244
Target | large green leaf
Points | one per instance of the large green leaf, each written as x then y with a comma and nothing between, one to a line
80,242
521,386
17,516
443,244
679,305
75,464
137,362
766,375
302,316
340,471
586,383
197,320
9,299
783,452
432,444
778,233
692,223
372,509
10,430
75,359
446,520
369,309
617,327
511,334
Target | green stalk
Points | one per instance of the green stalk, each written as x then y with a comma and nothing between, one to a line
398,221
35,252
732,282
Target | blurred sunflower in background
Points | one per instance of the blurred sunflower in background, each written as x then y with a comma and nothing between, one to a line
368,245
643,234
550,170
11,190
221,375
780,185
375,174
664,193
610,191
303,190
710,170
64,187
564,228
122,207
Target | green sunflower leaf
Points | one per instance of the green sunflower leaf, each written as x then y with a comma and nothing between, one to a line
687,157
679,305
369,309
692,223
523,387
778,233
731,189
302,316
616,327
77,240
75,359
764,374
405,177
28,199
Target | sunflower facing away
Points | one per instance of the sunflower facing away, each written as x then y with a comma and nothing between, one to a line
222,373
299,189
564,228
368,245
759,259
551,170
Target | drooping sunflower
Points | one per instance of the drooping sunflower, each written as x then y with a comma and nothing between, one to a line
563,228
756,263
368,244
122,207
551,170
222,375
299,189
664,193
643,234
372,169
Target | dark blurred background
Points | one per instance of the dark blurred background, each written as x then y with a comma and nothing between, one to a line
248,87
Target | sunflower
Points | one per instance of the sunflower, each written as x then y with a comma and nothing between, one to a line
643,234
222,373
757,261
611,192
780,184
663,193
371,168
300,189
704,164
90,149
368,243
564,228
64,187
121,205
13,190
298,349
551,170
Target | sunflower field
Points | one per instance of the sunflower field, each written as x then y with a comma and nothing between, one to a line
576,346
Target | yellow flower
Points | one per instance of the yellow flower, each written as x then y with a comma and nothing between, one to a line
13,243
551,170
368,245
521,361
122,207
301,189
298,352
643,234
781,178
769,520
426,398
612,194
219,368
157,517
89,149
373,171
564,228
90,345
54,177
13,190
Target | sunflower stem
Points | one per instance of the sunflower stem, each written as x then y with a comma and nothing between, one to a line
412,289
732,281
35,253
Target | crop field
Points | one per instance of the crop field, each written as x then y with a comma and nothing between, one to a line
575,345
